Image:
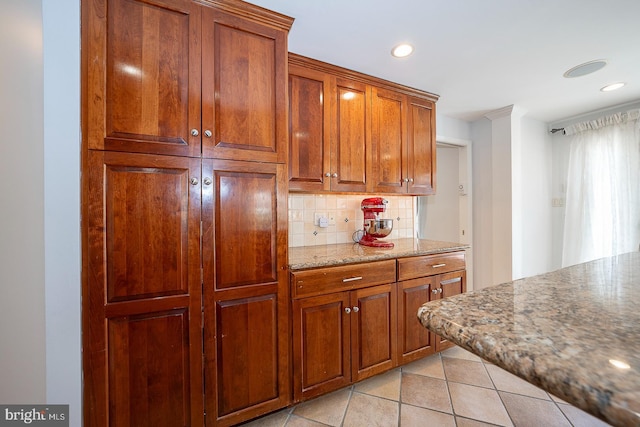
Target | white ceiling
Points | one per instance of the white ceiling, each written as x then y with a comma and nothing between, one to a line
480,55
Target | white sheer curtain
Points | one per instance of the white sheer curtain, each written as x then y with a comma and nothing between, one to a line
602,216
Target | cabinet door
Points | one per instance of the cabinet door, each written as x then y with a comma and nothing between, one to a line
389,142
451,284
422,147
309,135
246,298
374,330
350,102
244,210
321,345
244,84
415,341
245,375
141,73
142,340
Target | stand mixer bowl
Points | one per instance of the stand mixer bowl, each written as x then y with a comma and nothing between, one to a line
378,227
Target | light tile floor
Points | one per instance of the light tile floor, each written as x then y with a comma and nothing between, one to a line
453,388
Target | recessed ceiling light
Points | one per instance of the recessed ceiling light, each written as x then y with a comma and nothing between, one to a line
586,68
612,86
402,50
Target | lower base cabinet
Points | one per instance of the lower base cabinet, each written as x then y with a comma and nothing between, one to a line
348,327
447,285
344,325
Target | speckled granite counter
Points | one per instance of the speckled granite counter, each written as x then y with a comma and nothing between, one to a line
301,258
564,331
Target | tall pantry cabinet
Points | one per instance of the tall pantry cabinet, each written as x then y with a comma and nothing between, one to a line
184,209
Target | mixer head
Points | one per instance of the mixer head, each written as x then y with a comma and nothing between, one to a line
374,204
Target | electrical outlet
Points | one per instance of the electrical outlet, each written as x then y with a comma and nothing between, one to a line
317,216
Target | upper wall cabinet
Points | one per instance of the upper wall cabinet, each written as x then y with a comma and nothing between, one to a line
403,142
421,146
244,89
350,132
310,136
179,78
329,123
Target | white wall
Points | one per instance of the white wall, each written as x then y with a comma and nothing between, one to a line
482,206
40,352
512,197
535,198
492,203
61,28
439,215
22,319
449,128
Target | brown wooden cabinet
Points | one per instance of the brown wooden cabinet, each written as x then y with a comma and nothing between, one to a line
244,83
329,122
449,284
246,298
415,341
373,330
403,144
310,136
389,142
354,321
142,75
185,288
346,330
176,77
421,159
350,105
142,338
422,279
356,133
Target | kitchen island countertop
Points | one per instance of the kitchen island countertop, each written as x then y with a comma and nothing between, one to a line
574,332
304,257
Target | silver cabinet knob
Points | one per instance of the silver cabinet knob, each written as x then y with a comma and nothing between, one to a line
208,133
335,175
347,310
435,291
410,179
356,309
440,290
327,174
405,180
194,132
194,181
207,180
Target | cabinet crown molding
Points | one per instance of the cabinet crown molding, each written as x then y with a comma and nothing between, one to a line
297,59
251,11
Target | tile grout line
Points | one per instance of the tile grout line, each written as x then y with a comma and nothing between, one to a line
496,390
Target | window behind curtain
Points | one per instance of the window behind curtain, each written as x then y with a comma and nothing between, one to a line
602,216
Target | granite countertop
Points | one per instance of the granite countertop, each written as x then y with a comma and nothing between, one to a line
564,331
301,258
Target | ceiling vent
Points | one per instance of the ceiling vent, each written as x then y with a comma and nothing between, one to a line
586,68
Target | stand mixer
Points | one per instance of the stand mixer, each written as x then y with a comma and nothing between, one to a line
373,226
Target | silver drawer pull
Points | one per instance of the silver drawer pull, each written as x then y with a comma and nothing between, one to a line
438,265
352,279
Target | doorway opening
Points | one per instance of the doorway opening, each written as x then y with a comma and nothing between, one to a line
447,215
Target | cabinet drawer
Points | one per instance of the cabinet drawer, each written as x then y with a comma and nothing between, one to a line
411,268
334,279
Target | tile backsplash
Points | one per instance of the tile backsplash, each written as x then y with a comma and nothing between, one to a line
345,217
